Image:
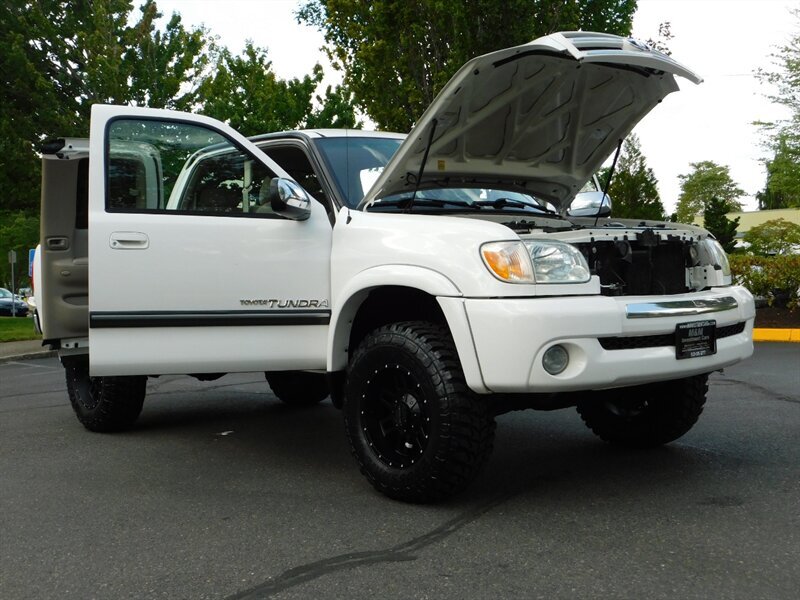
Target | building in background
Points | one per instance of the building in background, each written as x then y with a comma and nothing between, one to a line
749,219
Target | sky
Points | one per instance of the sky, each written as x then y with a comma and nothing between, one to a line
724,41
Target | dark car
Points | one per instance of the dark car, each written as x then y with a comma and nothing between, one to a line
7,300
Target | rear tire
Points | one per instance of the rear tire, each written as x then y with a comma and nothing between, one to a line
298,388
418,433
648,415
104,404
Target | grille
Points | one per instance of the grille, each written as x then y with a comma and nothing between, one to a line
654,341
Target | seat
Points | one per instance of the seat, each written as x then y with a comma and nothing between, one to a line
219,199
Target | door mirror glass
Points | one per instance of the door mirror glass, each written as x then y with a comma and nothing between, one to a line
288,199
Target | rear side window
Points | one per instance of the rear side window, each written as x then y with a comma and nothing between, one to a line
175,167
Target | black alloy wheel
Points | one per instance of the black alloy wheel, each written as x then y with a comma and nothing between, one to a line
418,433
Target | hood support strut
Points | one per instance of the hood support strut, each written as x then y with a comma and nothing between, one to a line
608,180
422,166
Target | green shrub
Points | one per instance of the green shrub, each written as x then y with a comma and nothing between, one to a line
776,278
777,236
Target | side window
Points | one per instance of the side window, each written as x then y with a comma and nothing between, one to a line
167,166
295,162
127,182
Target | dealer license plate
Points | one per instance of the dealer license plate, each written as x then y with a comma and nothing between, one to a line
694,339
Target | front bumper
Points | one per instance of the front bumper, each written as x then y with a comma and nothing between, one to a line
509,337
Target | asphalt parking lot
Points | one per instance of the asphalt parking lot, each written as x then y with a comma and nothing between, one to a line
223,492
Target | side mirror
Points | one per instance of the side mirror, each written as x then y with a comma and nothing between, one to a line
590,204
288,199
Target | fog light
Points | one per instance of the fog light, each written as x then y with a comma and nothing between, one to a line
555,360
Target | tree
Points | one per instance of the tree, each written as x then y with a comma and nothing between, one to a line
27,100
81,53
721,227
397,54
782,188
58,58
782,138
20,232
244,92
777,236
707,180
335,109
634,190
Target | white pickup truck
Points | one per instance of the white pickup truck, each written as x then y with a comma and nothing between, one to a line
425,282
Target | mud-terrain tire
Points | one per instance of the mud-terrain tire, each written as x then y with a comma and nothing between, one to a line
104,404
418,433
648,415
298,388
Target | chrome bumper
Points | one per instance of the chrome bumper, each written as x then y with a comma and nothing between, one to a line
679,308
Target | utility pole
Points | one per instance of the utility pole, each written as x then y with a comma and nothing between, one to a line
12,258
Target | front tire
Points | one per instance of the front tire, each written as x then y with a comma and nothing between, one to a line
416,430
648,415
104,404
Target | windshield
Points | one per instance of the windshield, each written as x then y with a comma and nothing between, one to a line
356,162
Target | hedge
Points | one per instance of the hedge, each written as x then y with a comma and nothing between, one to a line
775,278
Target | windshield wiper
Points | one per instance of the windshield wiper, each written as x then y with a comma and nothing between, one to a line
501,203
408,202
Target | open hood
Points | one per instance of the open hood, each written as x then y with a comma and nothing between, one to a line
540,117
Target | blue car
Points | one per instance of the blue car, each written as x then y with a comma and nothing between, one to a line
7,300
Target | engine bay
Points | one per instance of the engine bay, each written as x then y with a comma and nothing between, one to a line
646,260
644,265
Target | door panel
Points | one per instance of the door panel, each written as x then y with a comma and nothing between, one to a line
190,269
64,280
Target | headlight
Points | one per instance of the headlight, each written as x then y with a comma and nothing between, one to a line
536,261
557,262
508,261
711,253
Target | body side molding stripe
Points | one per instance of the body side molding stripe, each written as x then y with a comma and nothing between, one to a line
213,318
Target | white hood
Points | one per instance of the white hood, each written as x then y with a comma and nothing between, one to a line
542,116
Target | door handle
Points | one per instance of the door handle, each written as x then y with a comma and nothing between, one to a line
129,240
57,243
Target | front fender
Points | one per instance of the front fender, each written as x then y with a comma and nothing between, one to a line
349,297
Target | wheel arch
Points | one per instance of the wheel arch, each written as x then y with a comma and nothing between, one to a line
393,293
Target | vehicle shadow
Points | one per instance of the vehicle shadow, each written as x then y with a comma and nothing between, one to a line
551,455
253,429
555,458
